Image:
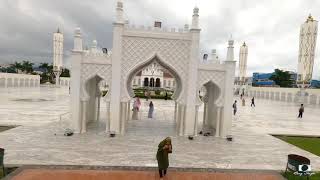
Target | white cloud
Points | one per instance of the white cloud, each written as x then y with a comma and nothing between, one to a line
269,27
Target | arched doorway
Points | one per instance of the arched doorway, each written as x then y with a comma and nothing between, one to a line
158,82
146,82
163,125
209,94
94,114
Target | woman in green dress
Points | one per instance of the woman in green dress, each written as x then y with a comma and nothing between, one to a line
164,148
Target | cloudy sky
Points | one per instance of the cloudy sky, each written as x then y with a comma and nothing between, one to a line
269,27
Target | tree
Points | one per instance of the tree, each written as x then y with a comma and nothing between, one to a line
27,67
65,73
282,78
48,72
16,66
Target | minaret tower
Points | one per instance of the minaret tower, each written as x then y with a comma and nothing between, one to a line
57,54
243,56
307,45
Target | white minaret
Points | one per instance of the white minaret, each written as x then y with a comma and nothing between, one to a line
243,56
57,54
307,45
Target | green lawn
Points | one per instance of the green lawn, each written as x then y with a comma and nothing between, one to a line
311,144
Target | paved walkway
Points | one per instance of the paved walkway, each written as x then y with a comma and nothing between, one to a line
40,139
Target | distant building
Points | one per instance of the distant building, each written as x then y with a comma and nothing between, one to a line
154,76
307,45
315,84
262,79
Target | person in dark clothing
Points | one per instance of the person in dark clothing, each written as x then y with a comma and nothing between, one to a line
252,102
301,110
166,96
234,106
164,148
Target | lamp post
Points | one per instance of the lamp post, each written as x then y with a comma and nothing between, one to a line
57,72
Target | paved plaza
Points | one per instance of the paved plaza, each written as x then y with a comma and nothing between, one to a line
39,139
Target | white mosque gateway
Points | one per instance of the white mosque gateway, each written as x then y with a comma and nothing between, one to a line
135,49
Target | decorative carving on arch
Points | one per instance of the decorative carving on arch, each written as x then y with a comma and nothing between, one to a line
217,78
88,71
159,60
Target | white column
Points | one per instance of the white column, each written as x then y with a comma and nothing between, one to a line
196,122
128,111
123,117
84,117
108,117
116,77
218,122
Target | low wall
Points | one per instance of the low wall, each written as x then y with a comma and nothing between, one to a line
64,81
284,94
10,80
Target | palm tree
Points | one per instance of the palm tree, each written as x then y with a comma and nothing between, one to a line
27,67
17,66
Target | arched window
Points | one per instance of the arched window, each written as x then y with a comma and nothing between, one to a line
146,82
158,82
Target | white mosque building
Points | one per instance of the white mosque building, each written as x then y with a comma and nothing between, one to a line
154,76
142,54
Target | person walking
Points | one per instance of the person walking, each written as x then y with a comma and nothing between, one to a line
164,148
166,96
252,102
243,102
301,110
151,108
135,109
234,107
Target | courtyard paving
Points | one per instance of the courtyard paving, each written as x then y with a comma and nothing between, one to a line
39,139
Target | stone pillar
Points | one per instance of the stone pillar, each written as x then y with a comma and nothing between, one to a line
84,116
123,117
98,108
175,111
218,122
182,119
75,86
196,122
108,118
128,111
115,112
189,111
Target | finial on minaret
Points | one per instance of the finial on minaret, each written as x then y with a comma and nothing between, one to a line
244,43
195,18
119,10
310,18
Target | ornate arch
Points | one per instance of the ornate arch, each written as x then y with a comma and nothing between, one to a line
155,57
214,77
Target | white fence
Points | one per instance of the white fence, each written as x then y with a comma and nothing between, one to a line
11,80
312,96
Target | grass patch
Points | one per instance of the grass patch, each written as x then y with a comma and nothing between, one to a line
291,176
310,144
7,170
4,128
